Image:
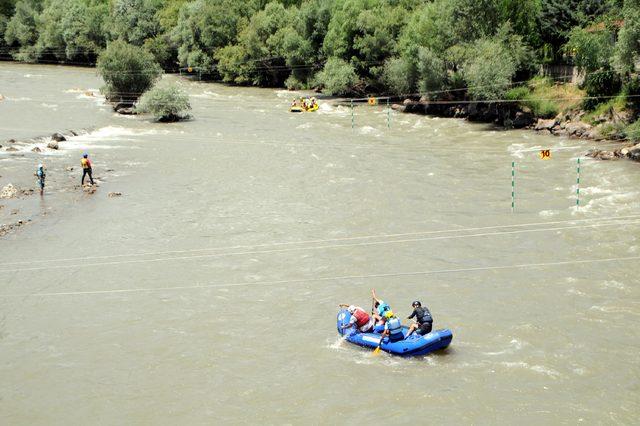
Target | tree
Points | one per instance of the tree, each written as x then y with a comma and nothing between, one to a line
71,30
337,77
432,72
397,76
205,26
627,49
523,17
21,29
591,49
488,69
166,104
128,71
135,20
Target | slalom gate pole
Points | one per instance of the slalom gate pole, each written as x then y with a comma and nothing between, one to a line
352,117
578,185
388,115
513,186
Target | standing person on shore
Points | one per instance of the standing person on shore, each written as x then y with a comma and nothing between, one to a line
41,175
86,168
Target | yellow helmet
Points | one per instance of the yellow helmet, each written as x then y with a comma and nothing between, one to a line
388,314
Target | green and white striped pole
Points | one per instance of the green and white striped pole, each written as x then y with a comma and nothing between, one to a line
578,185
513,186
352,117
388,115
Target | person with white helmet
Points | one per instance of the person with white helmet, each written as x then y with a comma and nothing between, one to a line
41,175
359,318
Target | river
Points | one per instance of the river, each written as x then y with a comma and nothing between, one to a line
207,293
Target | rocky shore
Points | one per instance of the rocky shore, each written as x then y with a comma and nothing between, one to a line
19,195
511,116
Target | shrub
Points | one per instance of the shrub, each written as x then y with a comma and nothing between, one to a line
396,76
165,103
431,70
540,107
128,71
517,93
631,92
488,69
600,85
337,77
633,131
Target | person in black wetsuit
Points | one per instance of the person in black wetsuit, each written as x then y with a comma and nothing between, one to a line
424,321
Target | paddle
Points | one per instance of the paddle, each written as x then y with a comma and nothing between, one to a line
376,351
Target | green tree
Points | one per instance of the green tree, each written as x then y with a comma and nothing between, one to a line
71,30
399,76
488,69
135,20
338,77
128,71
205,26
21,29
591,49
627,49
523,17
364,32
166,104
432,73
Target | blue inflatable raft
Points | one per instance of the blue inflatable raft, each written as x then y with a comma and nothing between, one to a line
414,345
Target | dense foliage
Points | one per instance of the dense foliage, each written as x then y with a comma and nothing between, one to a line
165,103
341,46
128,71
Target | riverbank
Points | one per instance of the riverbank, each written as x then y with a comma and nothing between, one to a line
511,115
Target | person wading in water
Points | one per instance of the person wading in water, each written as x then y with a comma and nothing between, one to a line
41,175
86,168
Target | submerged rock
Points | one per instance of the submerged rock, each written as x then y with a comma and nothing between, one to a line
9,191
114,194
58,137
36,149
53,145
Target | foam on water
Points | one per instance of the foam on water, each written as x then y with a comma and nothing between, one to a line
536,368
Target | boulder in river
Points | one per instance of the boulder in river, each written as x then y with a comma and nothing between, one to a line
634,154
577,129
11,149
36,149
53,145
522,119
58,137
545,124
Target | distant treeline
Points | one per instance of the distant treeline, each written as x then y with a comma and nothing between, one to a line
341,46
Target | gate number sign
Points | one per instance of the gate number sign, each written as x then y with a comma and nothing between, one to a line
545,154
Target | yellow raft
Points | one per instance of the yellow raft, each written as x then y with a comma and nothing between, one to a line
303,108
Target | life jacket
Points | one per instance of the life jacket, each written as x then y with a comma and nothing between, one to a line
85,163
423,315
362,318
395,328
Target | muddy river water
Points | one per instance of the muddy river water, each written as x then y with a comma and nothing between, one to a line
207,293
